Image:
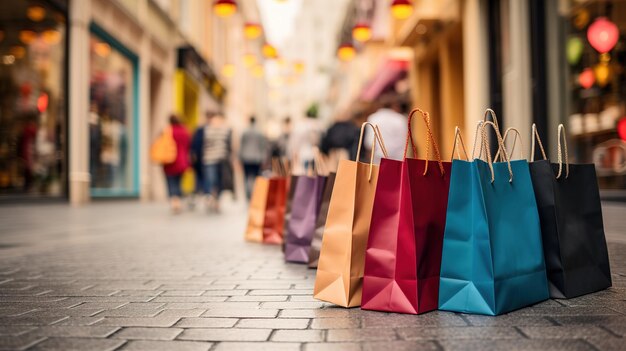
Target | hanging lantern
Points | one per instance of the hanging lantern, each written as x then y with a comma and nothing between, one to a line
574,50
586,78
603,35
581,19
102,49
257,71
346,52
252,30
602,71
621,128
228,70
361,32
27,36
224,8
18,51
401,9
298,67
249,60
269,51
35,13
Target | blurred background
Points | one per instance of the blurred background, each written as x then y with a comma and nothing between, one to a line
87,85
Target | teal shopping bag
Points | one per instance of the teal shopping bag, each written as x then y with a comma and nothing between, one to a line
492,259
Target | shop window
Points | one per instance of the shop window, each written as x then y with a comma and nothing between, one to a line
32,99
595,55
112,118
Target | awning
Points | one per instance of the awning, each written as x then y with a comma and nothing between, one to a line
388,74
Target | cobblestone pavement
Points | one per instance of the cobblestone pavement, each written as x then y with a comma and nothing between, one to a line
129,276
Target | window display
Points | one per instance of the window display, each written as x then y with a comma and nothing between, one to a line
32,99
595,51
111,120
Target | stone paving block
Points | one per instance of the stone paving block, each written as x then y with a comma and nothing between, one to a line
265,285
25,320
566,332
258,298
81,293
192,299
180,313
335,323
257,346
14,330
303,298
273,323
19,342
62,312
281,292
589,320
152,305
517,344
151,345
316,313
183,293
404,346
335,346
242,313
298,335
206,322
129,312
225,293
78,344
431,319
147,333
75,331
446,333
360,335
616,344
212,334
99,305
138,293
563,311
196,287
508,320
79,321
293,305
15,311
139,321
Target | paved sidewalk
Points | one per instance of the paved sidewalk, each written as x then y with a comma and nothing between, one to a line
129,276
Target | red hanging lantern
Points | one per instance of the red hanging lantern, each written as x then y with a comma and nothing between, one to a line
621,128
586,78
603,35
224,8
346,52
252,30
361,32
401,9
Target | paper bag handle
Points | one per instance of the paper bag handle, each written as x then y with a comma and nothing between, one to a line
518,135
485,146
429,139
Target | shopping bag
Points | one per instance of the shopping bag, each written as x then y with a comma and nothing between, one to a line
301,227
291,189
163,151
492,260
574,244
340,269
403,256
256,210
316,243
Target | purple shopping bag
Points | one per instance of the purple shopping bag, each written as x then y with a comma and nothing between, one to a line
304,210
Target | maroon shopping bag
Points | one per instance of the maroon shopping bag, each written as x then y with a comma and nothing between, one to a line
403,255
305,207
275,211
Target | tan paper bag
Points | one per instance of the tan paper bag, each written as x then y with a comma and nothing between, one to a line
342,256
256,210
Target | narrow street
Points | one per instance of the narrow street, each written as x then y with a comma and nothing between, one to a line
124,276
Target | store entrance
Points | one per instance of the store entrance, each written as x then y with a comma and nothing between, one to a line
32,100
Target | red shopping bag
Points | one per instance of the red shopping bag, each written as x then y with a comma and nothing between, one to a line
274,220
403,254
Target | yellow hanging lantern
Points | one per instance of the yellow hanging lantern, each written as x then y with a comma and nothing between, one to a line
346,52
401,9
51,36
252,30
298,67
602,71
224,8
249,60
269,51
361,32
35,13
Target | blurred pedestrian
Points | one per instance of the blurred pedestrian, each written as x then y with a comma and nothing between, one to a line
303,140
252,153
216,150
197,152
393,127
279,147
340,141
174,171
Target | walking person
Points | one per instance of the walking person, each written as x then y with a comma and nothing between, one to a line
197,152
392,124
174,171
252,153
216,150
303,140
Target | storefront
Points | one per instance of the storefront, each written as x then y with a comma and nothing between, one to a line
113,117
586,81
33,113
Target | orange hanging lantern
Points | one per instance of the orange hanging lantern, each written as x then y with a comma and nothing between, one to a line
586,79
361,32
36,13
224,8
27,36
51,36
602,72
603,35
346,52
252,30
269,51
401,9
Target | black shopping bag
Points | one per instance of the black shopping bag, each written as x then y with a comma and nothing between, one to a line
574,244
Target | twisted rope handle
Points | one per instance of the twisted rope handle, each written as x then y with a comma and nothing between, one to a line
518,135
377,139
485,145
534,135
560,152
430,139
458,137
479,127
